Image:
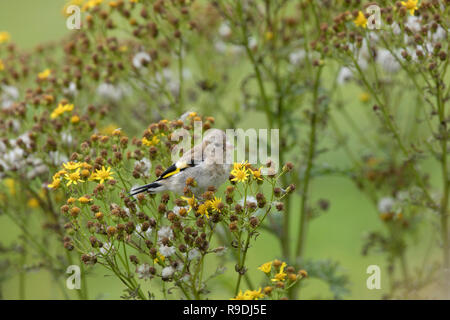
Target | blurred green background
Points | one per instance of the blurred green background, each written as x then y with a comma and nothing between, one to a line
337,235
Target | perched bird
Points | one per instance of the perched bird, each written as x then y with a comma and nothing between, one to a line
206,163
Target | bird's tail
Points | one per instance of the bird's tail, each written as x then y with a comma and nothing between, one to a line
151,188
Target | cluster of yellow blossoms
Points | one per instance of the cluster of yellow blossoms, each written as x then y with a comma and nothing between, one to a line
44,74
249,295
75,172
280,275
205,208
241,172
60,109
151,142
275,271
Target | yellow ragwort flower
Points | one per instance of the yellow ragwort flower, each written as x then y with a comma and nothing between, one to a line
215,204
60,173
240,165
191,202
4,36
86,166
60,109
240,175
281,275
360,20
55,183
91,4
152,142
241,296
159,258
410,5
75,119
254,294
257,174
203,208
103,174
44,74
71,165
266,267
2,66
73,178
249,295
84,200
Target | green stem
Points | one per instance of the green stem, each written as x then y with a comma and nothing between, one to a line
242,264
446,182
309,166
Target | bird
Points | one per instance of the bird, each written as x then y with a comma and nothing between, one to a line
206,163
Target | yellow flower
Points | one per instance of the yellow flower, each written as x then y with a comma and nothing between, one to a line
57,112
117,132
281,275
240,175
215,204
33,203
254,294
249,295
60,109
86,166
91,4
2,66
154,141
241,296
11,185
203,208
266,267
239,165
103,174
269,35
60,173
84,200
360,20
73,177
71,165
55,183
159,258
71,200
192,114
190,201
44,74
4,36
134,1
257,174
75,119
411,5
